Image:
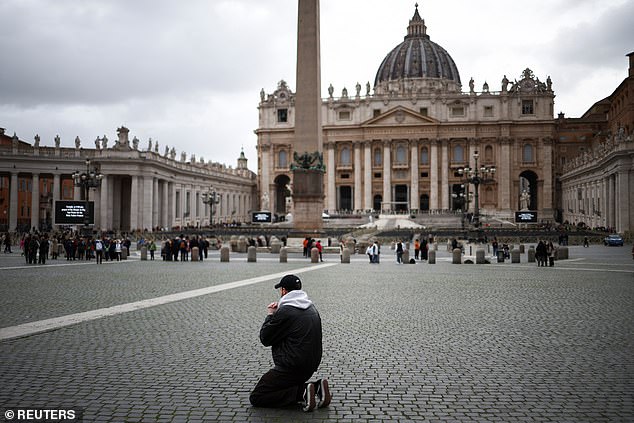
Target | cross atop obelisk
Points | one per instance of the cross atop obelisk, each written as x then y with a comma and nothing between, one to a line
308,168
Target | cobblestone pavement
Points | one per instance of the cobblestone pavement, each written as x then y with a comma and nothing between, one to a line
497,342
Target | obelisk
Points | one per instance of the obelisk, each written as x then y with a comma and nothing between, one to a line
308,169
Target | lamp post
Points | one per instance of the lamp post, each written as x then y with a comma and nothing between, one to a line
91,178
477,176
211,197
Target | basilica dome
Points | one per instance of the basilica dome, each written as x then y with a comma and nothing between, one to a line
417,57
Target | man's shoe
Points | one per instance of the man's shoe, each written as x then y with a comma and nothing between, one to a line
309,398
323,393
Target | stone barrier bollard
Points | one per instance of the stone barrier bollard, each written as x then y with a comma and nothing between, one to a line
562,253
345,257
251,254
515,255
224,254
350,246
480,256
431,256
456,256
283,255
242,244
531,254
234,243
124,253
144,253
195,252
276,246
314,255
522,249
406,256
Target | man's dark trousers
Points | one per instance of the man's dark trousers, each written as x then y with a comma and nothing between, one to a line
279,388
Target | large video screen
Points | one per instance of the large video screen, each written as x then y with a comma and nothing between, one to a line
261,217
526,217
74,212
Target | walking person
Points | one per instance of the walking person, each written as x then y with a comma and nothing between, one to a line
292,328
152,248
319,249
416,249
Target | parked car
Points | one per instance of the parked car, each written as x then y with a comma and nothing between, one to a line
613,240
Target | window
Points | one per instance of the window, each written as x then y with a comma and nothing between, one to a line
424,156
345,176
377,174
424,174
344,115
401,155
488,111
488,154
527,153
345,156
457,111
178,203
423,111
376,112
377,157
282,115
527,107
458,154
282,159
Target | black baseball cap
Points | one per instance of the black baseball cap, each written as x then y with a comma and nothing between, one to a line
289,282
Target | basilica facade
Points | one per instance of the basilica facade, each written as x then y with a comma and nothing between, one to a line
141,188
402,144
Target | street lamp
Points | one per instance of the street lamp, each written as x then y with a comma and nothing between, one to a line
91,178
477,176
211,197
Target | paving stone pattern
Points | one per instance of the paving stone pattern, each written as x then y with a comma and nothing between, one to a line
406,343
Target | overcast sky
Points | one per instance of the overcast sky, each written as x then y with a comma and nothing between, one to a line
189,73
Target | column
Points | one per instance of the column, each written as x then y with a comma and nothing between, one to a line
444,182
358,190
148,200
504,176
265,180
611,204
171,204
35,202
331,194
105,205
56,191
387,175
548,179
163,220
13,203
623,206
414,199
134,203
155,203
367,175
433,166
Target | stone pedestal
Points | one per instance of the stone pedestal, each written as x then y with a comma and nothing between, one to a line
308,200
405,256
345,256
515,255
531,254
224,254
456,256
251,254
431,256
480,256
144,253
562,253
283,255
195,254
314,255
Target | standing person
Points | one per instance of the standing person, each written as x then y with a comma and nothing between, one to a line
7,243
305,244
399,252
292,328
44,245
152,249
370,252
540,253
117,249
319,249
416,249
550,251
99,250
495,246
586,243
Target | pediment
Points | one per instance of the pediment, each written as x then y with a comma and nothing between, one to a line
400,116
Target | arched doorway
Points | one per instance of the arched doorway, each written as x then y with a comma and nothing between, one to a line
282,191
527,198
401,197
376,202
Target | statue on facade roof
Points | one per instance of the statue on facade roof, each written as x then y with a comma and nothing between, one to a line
549,83
156,146
485,87
183,156
262,95
77,142
331,90
344,93
104,142
135,143
358,88
367,89
97,143
149,144
57,141
471,86
37,141
172,153
505,84
167,151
